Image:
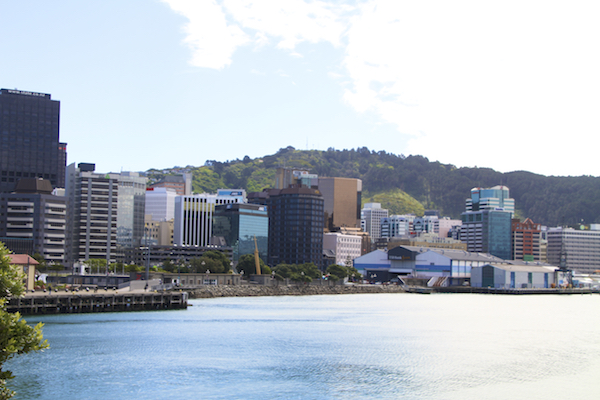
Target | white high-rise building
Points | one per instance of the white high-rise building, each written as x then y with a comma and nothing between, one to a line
160,203
372,214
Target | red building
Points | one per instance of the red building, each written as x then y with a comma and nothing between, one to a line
527,241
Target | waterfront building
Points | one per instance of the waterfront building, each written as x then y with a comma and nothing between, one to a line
342,200
33,220
239,225
576,250
441,267
194,215
29,139
345,248
295,226
372,213
26,265
160,203
527,241
494,198
514,276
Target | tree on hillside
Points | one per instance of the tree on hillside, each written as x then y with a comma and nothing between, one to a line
16,337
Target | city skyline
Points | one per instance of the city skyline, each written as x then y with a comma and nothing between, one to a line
173,83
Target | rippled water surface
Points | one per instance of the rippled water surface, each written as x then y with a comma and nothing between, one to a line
381,346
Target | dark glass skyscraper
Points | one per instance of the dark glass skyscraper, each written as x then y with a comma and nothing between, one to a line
296,216
29,139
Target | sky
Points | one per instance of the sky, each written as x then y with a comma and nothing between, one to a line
511,85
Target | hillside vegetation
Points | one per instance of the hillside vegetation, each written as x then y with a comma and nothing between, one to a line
411,184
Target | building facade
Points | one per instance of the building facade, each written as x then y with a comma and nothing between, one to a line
295,226
239,225
92,201
160,203
371,216
497,197
29,139
576,250
527,241
345,247
33,220
193,221
487,231
342,201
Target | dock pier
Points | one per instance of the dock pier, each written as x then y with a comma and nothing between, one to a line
73,303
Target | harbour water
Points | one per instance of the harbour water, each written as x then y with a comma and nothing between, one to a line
370,346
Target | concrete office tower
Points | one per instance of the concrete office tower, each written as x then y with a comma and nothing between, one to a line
578,250
92,201
160,203
342,200
238,224
194,215
372,214
527,241
295,226
29,139
32,220
182,184
494,198
345,247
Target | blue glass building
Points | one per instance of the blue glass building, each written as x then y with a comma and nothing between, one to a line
238,224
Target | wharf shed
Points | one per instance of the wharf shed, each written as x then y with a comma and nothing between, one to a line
514,275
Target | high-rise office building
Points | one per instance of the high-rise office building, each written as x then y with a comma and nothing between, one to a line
33,220
342,200
239,225
372,214
487,231
29,139
527,241
92,201
295,226
160,203
577,250
194,215
486,223
494,198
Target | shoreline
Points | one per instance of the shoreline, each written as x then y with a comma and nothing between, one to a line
284,290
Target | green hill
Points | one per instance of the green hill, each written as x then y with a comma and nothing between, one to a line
410,184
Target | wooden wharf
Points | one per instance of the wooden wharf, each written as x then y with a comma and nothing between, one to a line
73,303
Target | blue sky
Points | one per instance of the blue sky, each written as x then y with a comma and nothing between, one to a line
508,85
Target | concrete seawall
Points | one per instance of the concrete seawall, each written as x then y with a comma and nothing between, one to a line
292,290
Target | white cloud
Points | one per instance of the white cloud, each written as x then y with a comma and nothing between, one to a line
495,84
208,34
